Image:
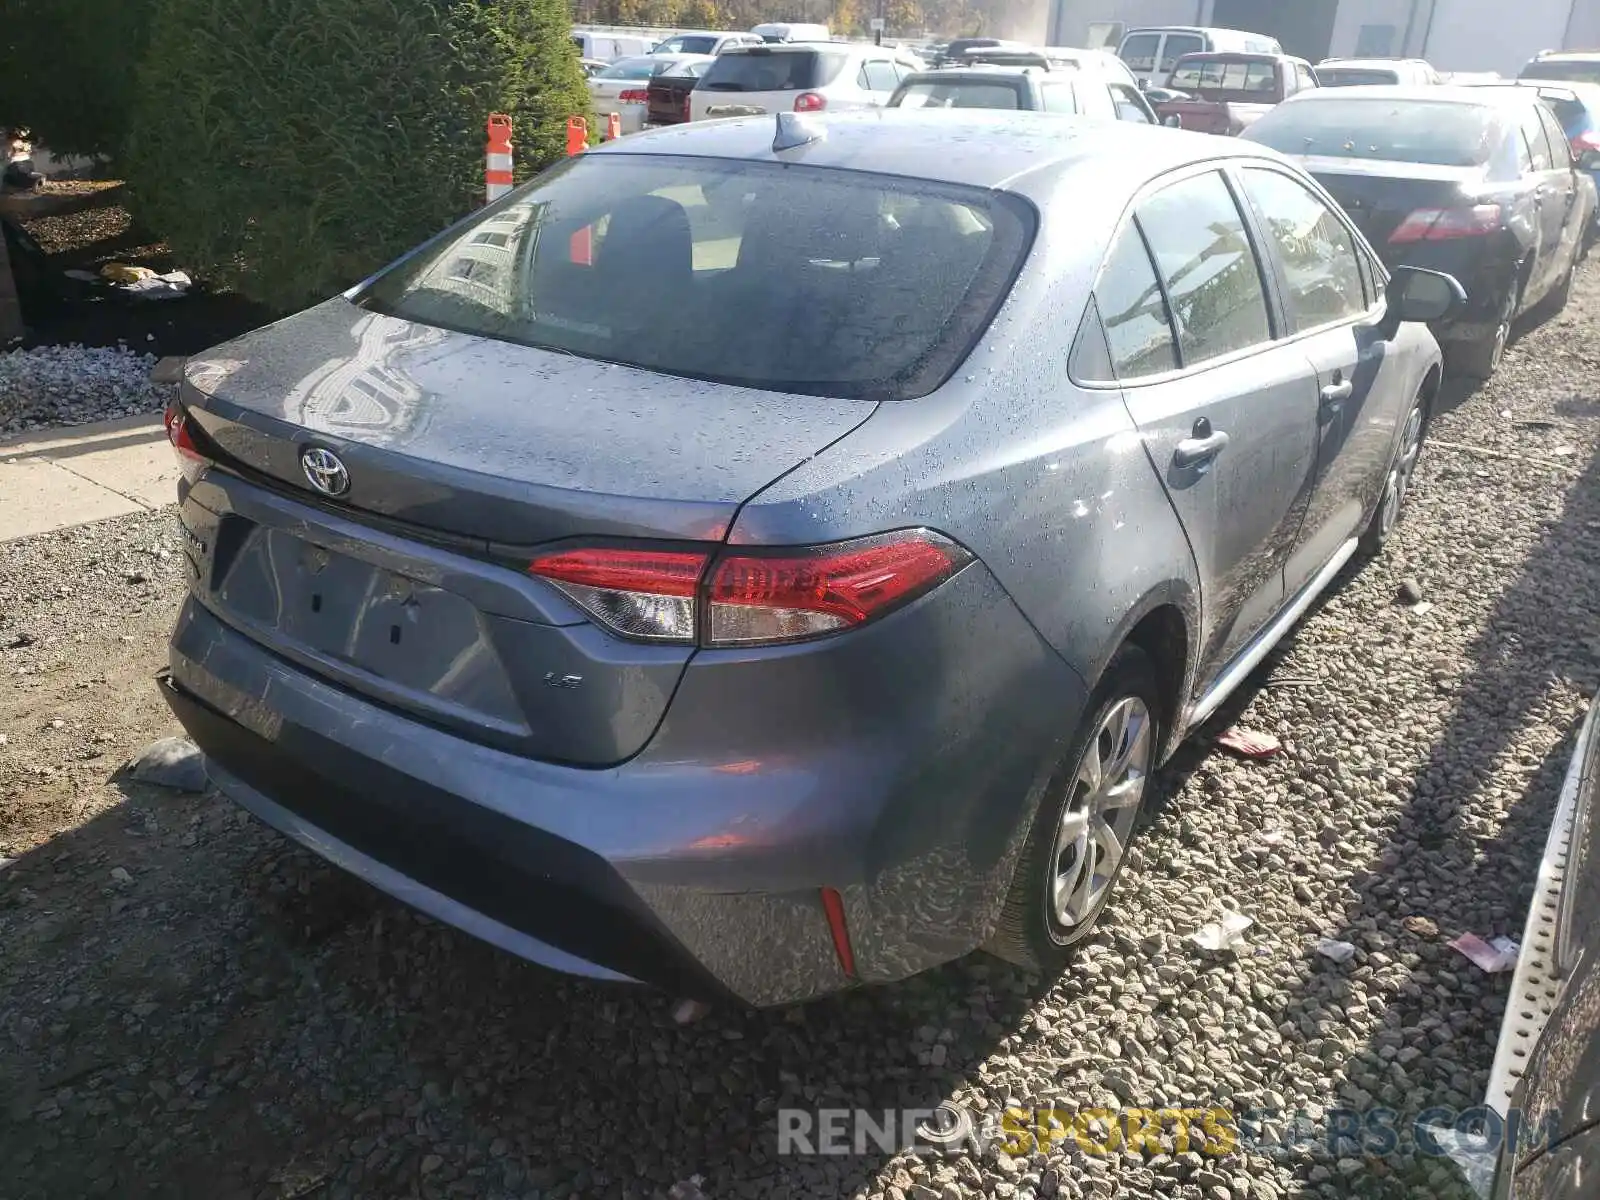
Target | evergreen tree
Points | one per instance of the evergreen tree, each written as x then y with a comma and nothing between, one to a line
290,147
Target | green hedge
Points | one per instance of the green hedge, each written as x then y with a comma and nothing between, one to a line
287,148
67,70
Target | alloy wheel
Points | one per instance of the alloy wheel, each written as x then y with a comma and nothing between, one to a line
1403,470
1098,818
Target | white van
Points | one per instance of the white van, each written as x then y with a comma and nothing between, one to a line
608,47
786,31
1152,51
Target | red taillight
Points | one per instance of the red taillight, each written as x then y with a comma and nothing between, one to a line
810,102
833,909
190,459
634,95
782,598
686,115
1446,224
751,597
1586,142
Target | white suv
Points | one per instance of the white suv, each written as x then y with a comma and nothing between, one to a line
798,77
705,41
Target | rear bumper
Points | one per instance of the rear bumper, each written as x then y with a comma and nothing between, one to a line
1487,270
695,866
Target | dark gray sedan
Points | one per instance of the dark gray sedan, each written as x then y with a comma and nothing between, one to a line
771,555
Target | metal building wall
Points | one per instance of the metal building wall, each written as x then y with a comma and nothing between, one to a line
1495,35
1070,19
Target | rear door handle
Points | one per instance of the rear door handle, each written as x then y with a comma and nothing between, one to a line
1193,451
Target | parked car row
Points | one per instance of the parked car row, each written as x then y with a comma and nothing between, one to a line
602,46
1482,182
1494,184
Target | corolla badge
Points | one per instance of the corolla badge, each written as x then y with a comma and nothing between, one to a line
324,471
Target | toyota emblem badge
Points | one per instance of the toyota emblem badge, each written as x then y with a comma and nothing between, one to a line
324,471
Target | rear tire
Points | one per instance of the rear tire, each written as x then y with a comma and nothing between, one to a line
1397,483
1078,843
1481,359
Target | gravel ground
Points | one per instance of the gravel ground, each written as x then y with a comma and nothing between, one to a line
70,385
191,1006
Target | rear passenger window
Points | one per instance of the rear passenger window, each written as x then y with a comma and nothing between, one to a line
1094,100
1133,311
1559,146
880,76
1261,79
1204,257
1130,107
1139,51
1321,272
1057,97
1533,131
1177,45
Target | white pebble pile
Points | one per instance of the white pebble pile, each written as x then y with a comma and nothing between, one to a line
69,385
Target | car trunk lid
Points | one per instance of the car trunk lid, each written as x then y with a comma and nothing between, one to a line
462,455
486,439
754,80
1378,195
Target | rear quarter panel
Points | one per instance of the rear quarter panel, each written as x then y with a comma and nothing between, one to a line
1048,484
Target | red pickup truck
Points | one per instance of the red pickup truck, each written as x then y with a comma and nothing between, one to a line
1225,93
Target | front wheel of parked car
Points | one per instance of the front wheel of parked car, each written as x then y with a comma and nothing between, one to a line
1397,483
1086,819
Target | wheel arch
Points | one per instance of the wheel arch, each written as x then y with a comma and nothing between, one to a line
1163,625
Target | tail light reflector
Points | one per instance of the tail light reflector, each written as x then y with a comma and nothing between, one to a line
648,595
751,597
634,95
810,102
833,908
1447,224
190,459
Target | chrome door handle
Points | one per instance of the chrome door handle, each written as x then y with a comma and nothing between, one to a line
1193,451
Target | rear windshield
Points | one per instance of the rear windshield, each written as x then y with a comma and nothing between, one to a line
1356,76
689,70
1569,111
1225,79
760,70
634,68
1567,72
1419,131
688,43
963,93
721,270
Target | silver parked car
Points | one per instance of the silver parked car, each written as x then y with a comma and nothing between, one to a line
767,556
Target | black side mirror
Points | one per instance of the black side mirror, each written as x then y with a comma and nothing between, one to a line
1589,160
1417,295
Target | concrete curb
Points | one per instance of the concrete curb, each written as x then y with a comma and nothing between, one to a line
58,478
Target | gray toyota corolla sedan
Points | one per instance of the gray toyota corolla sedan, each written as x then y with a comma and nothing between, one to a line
765,556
